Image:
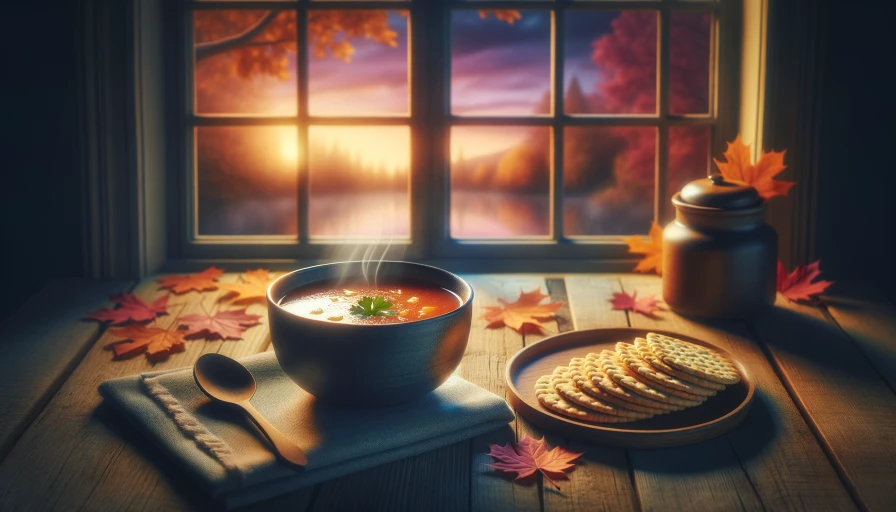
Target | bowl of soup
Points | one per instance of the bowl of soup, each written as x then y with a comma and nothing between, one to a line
369,335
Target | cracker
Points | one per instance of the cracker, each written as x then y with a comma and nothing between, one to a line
646,355
578,375
602,381
565,387
614,369
629,357
549,399
693,359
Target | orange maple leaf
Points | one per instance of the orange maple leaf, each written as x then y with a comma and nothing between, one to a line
738,166
200,281
527,310
252,287
156,342
652,249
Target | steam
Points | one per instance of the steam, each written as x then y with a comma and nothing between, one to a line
370,257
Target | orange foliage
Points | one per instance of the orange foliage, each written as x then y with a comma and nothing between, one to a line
652,249
738,166
528,310
252,287
200,281
260,42
157,343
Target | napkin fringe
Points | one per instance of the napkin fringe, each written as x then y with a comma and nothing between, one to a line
190,426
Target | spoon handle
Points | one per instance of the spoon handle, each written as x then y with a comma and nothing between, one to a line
283,446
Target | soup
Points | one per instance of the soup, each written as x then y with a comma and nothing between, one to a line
385,303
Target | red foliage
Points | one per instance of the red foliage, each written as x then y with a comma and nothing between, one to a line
130,308
627,57
801,285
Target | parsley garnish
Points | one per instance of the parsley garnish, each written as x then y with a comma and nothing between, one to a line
368,306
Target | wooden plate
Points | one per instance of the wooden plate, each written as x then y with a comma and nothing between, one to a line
714,417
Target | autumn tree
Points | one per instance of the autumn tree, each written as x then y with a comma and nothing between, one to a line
258,42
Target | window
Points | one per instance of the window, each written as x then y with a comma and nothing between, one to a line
523,128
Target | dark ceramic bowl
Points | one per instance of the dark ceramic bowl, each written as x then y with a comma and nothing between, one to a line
369,365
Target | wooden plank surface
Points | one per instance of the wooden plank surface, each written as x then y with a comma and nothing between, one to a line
40,345
78,454
483,364
869,319
704,476
846,401
601,480
770,461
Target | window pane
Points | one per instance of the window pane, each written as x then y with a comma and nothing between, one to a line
359,181
500,62
245,62
358,62
246,180
500,182
610,65
689,45
608,177
688,159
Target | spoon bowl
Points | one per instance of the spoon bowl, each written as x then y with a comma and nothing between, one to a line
224,379
227,381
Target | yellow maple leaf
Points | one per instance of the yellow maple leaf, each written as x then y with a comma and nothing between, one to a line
252,287
652,249
738,166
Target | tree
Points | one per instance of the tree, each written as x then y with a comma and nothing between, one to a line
258,42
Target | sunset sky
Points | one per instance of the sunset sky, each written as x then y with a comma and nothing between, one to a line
497,69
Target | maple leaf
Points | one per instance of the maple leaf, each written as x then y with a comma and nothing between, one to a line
157,343
527,310
652,249
200,281
530,455
646,306
252,287
760,175
130,308
221,325
798,286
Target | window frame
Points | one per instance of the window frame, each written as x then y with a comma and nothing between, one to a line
430,121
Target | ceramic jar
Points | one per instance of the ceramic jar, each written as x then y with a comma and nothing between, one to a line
719,255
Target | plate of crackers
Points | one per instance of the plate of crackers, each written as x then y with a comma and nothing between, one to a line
629,388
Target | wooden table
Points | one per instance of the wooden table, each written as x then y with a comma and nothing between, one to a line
820,436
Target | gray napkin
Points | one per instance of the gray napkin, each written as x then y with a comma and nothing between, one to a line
230,459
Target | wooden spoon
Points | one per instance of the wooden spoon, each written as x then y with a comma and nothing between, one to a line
227,381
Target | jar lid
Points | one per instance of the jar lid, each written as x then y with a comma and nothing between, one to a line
718,192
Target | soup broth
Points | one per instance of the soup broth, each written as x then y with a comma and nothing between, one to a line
385,303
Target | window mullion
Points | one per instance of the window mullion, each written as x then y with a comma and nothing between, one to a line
662,146
557,130
302,181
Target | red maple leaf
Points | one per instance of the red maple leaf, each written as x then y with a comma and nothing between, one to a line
798,286
156,342
221,325
646,306
130,308
527,310
529,456
200,281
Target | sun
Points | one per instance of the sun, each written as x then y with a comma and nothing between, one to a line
289,145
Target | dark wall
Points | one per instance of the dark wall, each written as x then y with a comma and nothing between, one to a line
41,204
857,181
